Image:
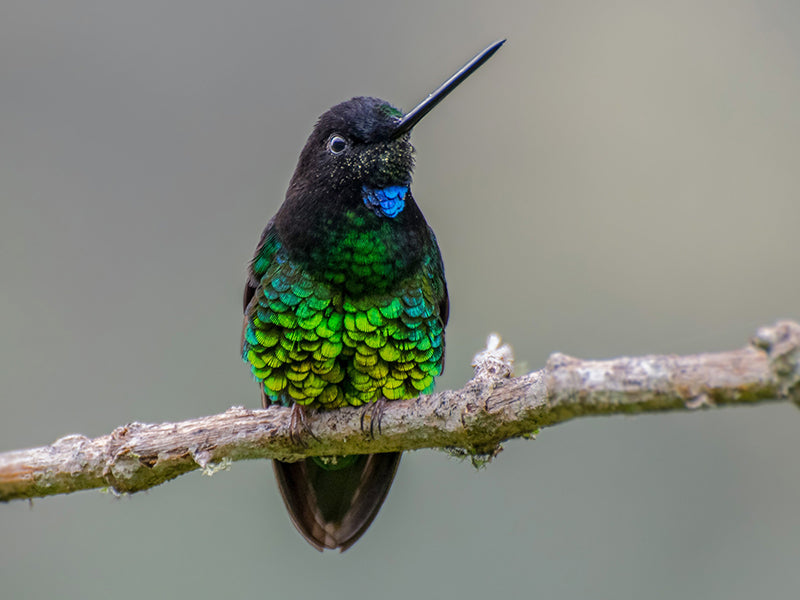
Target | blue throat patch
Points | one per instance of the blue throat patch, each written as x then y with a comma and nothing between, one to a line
385,202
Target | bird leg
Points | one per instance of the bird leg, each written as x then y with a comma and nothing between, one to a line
373,410
298,425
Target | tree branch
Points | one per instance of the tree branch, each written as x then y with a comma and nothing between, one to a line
492,407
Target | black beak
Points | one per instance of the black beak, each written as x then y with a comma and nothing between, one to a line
424,107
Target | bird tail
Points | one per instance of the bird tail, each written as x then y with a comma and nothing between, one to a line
333,503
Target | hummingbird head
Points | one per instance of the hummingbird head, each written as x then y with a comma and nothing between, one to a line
352,146
359,152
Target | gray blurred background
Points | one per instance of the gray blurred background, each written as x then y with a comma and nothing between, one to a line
622,178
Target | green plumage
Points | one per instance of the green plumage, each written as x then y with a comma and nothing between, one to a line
360,328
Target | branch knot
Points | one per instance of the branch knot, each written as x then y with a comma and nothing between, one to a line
495,361
782,344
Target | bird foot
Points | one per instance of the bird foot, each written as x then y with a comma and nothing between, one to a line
374,412
298,425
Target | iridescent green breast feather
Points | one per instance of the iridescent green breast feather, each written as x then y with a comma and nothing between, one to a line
310,341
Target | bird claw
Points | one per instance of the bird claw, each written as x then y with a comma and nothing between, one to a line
298,425
375,412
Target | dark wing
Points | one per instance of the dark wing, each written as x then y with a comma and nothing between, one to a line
262,258
265,251
444,305
256,268
434,268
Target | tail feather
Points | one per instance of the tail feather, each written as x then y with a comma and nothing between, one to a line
333,508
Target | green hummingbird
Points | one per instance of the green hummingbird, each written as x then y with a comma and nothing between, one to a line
346,302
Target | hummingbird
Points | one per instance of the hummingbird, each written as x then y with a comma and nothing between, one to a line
346,302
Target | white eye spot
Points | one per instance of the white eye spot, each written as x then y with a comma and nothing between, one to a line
337,144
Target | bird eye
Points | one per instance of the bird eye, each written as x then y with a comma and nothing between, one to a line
337,144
